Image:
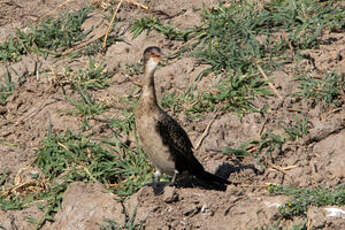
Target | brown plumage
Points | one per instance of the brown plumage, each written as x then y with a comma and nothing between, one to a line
161,137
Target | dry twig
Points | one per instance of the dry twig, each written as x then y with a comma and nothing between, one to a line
205,133
138,4
280,169
269,83
111,23
263,126
99,36
290,167
253,185
81,45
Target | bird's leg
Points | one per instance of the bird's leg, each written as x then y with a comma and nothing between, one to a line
156,177
174,178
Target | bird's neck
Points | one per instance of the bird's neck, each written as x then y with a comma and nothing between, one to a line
149,93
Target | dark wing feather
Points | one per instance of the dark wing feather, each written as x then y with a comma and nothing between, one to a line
180,146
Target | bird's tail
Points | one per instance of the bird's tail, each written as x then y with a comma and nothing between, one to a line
209,177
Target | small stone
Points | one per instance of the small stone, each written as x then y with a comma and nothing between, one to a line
170,195
193,211
3,110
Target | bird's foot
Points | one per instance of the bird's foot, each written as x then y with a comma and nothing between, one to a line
156,178
173,180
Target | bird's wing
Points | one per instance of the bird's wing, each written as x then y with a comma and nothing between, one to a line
180,146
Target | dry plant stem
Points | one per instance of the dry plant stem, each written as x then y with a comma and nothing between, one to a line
295,110
15,188
82,45
263,127
252,149
36,67
111,23
342,95
280,169
289,43
190,41
55,9
90,175
269,83
99,36
289,167
332,111
253,185
137,4
63,146
205,133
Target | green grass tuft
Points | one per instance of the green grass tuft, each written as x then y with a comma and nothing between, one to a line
305,197
298,129
240,36
79,159
7,89
149,24
267,144
94,77
235,39
236,93
46,37
129,223
327,91
87,107
276,226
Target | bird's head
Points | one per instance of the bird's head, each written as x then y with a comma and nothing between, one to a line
152,56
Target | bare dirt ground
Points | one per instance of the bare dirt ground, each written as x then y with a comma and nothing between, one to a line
36,105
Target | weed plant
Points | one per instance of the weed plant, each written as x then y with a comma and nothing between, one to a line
149,24
109,162
94,77
302,198
6,89
245,34
327,91
191,102
276,226
71,157
133,69
97,46
87,107
129,224
234,93
268,144
46,37
298,129
235,38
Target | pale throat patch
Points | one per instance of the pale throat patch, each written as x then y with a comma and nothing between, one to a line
151,65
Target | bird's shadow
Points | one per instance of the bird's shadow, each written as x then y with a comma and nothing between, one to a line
224,171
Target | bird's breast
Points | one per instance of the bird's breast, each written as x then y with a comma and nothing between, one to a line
152,144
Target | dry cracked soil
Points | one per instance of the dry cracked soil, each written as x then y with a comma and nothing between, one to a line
36,104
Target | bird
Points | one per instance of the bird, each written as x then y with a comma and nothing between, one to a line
160,136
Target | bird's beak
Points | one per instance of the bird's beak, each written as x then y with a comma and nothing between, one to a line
161,57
